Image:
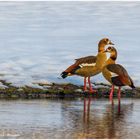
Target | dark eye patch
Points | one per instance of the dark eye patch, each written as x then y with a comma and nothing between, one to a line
109,48
107,40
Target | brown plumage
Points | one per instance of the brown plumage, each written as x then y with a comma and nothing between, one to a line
89,60
123,78
116,74
90,65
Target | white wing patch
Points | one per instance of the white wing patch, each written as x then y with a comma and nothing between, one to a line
86,64
113,74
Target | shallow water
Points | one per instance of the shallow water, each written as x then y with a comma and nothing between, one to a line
38,40
68,119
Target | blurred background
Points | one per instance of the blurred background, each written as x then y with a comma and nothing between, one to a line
38,40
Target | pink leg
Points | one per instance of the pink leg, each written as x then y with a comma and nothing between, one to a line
85,84
111,94
119,94
90,87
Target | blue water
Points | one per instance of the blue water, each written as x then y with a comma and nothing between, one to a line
38,40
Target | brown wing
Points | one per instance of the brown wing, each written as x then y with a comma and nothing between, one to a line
77,65
87,59
118,69
123,78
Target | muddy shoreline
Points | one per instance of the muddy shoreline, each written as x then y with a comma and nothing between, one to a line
55,90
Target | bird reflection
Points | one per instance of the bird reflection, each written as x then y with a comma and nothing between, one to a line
119,106
86,112
87,106
104,123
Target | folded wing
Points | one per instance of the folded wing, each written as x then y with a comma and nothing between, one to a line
79,64
120,76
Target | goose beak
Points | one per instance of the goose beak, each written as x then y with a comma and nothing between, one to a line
110,43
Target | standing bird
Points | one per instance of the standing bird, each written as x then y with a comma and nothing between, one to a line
116,74
90,65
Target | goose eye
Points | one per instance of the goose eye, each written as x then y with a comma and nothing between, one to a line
109,48
107,40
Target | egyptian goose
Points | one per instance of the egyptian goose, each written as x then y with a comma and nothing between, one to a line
90,65
116,74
